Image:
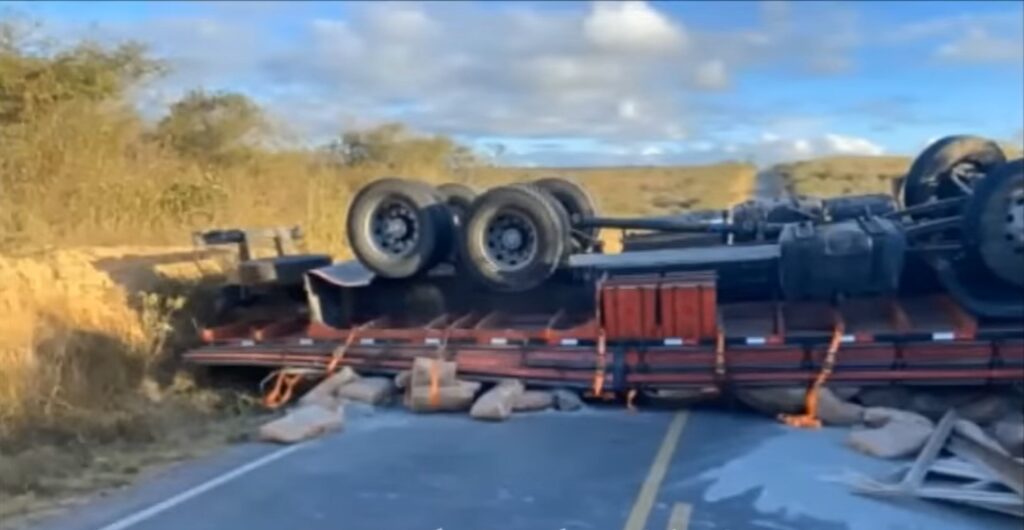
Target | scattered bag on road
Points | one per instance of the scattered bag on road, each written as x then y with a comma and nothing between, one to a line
451,398
402,379
893,434
832,410
302,423
423,367
567,400
497,403
372,390
533,400
325,393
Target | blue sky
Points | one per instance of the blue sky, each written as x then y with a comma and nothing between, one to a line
595,83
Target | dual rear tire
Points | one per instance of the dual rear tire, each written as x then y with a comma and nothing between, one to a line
511,238
399,228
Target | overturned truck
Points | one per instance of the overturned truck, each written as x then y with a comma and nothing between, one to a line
923,286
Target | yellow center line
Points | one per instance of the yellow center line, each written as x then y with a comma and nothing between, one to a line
645,499
679,519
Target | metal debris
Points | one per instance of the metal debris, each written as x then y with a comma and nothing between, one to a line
977,473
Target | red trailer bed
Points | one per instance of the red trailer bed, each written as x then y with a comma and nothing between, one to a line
656,331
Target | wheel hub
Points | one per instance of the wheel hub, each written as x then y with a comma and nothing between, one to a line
511,241
395,229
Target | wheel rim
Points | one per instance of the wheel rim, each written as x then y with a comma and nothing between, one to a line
394,227
961,177
510,241
1013,228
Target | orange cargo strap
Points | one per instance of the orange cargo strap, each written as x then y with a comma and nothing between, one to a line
284,386
434,394
809,419
598,384
720,356
339,353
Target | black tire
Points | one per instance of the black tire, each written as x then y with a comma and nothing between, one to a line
994,222
459,198
542,242
930,176
563,214
577,203
427,221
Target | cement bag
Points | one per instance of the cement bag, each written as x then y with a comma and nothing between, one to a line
450,398
402,379
496,404
567,400
898,434
303,423
421,368
533,400
372,390
833,410
325,393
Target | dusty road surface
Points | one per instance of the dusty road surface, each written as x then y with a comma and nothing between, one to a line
598,469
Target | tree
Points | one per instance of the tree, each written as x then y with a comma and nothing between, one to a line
34,79
392,146
218,127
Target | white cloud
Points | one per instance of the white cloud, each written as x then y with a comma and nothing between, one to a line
771,148
996,38
632,27
627,109
712,75
979,45
622,79
839,144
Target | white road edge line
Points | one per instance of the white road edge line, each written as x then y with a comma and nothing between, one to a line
167,504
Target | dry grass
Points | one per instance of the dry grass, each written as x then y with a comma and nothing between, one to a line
641,190
634,191
840,175
89,394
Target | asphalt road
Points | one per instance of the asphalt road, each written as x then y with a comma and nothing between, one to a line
597,469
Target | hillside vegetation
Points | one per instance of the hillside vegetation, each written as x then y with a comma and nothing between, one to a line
838,175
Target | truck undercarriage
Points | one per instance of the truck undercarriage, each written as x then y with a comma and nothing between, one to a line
927,287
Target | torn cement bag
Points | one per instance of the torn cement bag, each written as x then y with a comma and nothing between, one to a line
897,433
533,400
372,390
402,379
422,368
303,423
835,411
325,393
496,403
567,400
451,398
